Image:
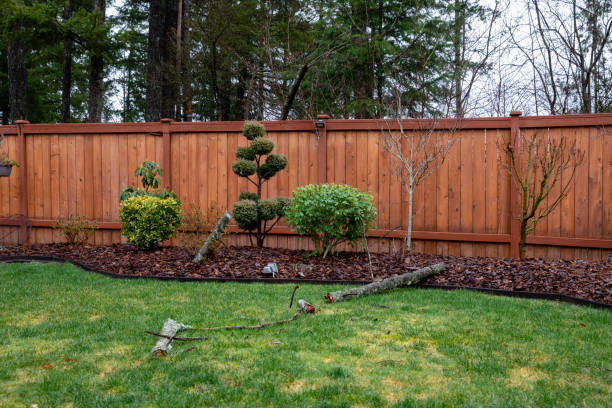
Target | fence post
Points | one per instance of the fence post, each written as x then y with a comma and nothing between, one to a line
23,188
515,226
321,128
166,160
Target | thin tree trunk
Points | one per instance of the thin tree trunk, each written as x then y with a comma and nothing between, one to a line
17,76
67,67
186,66
153,98
294,88
96,72
409,232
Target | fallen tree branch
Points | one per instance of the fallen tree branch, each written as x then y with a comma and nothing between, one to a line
175,338
213,237
168,333
385,284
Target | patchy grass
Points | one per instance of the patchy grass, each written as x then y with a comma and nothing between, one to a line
73,338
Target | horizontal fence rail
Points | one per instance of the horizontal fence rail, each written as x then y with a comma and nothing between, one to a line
467,206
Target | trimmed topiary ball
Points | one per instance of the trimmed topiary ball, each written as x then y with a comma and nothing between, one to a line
244,168
245,153
245,214
281,205
274,163
247,195
262,146
252,130
266,209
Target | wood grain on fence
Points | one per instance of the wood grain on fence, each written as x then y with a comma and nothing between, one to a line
463,208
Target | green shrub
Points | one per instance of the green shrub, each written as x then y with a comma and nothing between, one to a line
148,171
244,168
253,130
247,195
245,153
245,214
330,214
146,220
261,146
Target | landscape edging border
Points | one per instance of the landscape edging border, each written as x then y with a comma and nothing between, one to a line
500,292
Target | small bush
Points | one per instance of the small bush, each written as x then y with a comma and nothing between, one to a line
196,225
274,163
146,221
261,146
245,153
247,195
330,214
244,168
253,130
75,229
245,214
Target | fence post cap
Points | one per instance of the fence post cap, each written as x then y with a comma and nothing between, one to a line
166,120
22,122
323,117
516,113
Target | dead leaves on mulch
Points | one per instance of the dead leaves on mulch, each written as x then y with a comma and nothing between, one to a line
591,280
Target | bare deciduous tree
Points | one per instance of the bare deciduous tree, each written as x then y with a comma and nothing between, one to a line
536,165
417,153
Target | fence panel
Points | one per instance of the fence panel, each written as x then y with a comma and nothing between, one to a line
462,208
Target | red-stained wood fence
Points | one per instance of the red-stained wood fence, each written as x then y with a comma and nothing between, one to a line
464,208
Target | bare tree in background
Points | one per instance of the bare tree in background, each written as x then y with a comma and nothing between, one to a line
565,44
417,153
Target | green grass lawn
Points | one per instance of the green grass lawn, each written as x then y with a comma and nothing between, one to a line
74,338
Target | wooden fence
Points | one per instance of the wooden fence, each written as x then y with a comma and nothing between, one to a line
463,208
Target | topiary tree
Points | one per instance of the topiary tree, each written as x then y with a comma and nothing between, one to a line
251,212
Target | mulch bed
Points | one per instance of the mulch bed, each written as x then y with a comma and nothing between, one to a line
589,280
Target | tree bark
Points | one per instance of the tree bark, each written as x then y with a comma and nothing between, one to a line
169,330
17,76
161,83
96,72
67,66
213,237
385,284
294,88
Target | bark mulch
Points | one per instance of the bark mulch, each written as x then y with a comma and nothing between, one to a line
589,280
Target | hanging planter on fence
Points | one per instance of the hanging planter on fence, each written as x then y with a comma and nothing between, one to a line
5,170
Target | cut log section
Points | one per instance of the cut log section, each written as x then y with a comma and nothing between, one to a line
385,284
214,236
164,344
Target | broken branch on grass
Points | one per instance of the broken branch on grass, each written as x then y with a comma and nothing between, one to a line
385,284
293,294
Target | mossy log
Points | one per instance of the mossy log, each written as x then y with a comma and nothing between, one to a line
385,284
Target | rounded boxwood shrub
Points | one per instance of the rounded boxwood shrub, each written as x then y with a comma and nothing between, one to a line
146,220
244,168
330,214
245,214
274,163
245,153
261,146
247,195
253,129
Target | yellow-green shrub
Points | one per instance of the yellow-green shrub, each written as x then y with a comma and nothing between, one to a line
146,221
